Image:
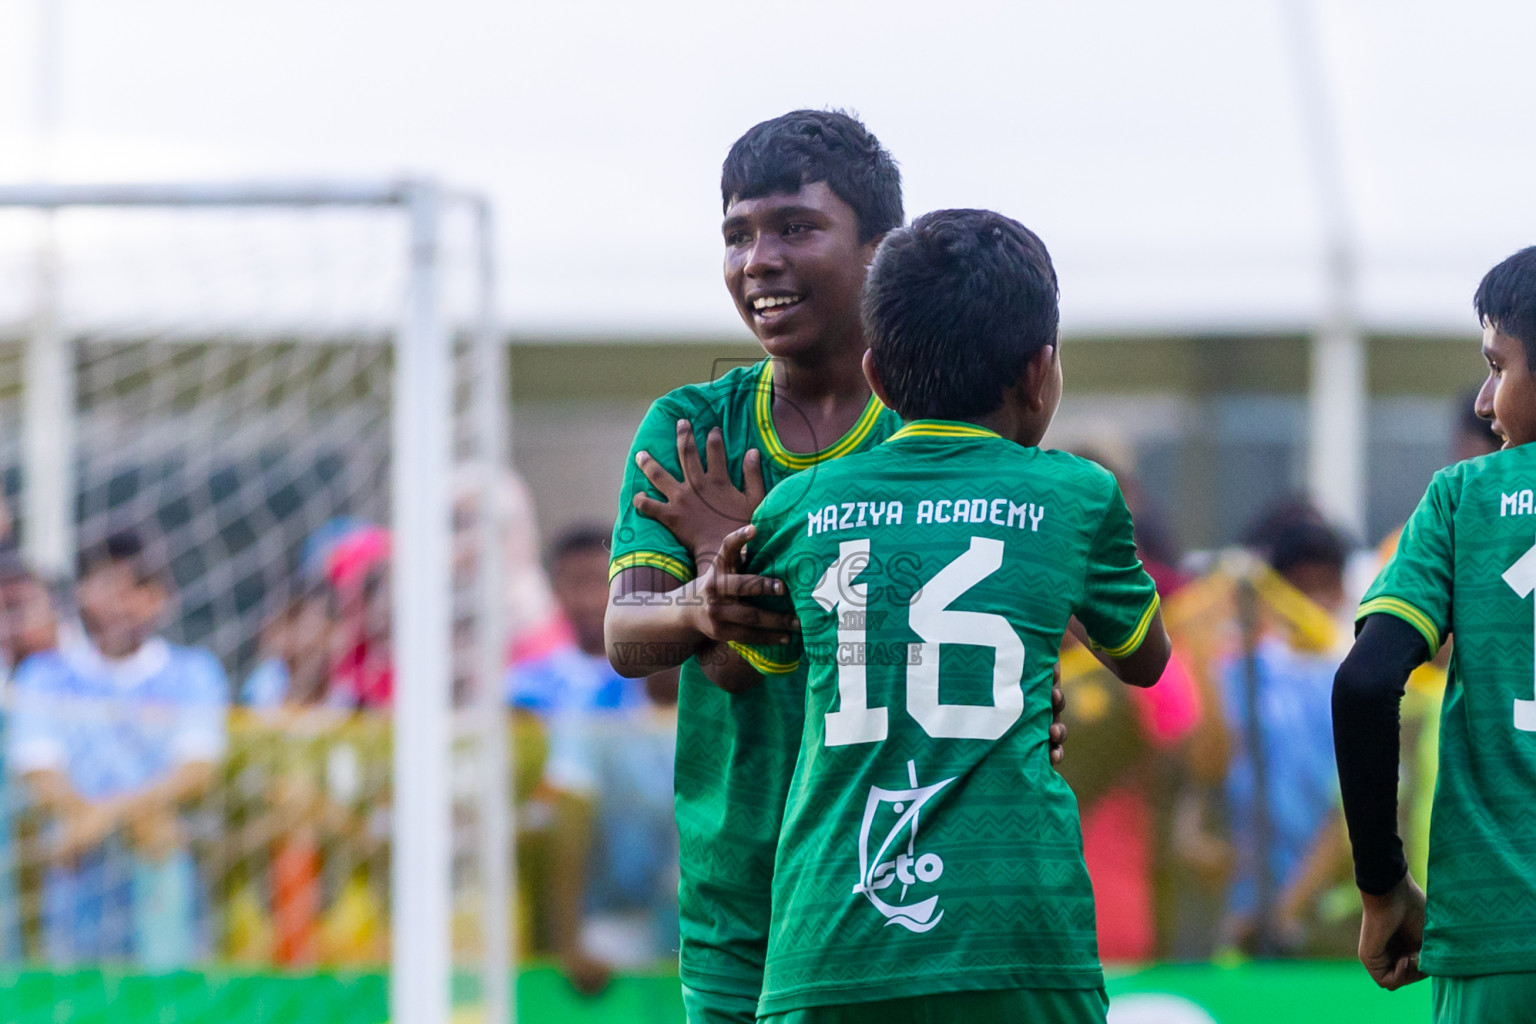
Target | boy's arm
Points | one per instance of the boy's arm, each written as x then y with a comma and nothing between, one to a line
726,668
1142,667
1367,690
1120,613
650,630
1366,693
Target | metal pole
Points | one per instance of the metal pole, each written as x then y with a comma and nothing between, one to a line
1337,397
1248,615
422,630
48,423
497,853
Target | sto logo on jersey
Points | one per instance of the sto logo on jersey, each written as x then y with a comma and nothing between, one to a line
907,867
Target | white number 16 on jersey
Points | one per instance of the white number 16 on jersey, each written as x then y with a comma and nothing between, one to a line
1522,579
931,618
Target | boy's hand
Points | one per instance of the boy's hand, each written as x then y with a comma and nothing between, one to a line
1057,734
1391,933
722,608
704,506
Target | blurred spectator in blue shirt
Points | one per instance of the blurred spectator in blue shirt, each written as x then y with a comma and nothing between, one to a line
116,734
606,790
576,677
615,874
1291,717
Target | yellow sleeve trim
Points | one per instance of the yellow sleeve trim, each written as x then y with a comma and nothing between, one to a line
1138,634
1408,613
766,666
655,559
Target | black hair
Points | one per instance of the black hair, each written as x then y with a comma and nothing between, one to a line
1305,542
1286,512
1506,300
131,548
954,307
806,146
576,539
1473,425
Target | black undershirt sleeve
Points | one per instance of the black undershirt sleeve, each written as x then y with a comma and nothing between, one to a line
1366,693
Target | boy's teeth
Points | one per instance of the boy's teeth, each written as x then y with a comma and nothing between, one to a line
775,301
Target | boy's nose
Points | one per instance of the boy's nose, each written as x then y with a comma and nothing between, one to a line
1483,403
765,259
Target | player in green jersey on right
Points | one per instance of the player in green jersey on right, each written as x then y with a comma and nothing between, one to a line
1466,565
930,865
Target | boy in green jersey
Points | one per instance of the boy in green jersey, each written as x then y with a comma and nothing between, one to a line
807,198
930,863
1465,565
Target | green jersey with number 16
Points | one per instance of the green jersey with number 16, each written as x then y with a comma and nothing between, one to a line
928,845
1466,565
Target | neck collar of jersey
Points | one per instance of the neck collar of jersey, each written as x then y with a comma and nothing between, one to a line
942,428
762,410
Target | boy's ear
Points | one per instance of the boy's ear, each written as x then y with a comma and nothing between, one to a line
1037,377
871,375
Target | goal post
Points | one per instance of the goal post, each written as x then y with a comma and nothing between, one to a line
426,333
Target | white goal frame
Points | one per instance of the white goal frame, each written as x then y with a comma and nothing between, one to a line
421,523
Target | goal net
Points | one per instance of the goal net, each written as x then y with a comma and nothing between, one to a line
254,475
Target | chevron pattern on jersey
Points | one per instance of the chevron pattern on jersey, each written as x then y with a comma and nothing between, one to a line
924,862
1450,565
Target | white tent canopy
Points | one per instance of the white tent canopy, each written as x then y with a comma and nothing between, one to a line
1158,148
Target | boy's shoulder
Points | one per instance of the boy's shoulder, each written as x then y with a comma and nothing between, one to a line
1497,482
1077,469
736,384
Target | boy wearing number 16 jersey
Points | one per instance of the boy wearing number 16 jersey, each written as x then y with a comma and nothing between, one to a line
930,862
1465,566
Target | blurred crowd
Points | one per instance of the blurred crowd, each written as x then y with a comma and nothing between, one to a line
154,812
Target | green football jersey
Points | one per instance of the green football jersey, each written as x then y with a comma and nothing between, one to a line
927,844
735,755
1466,565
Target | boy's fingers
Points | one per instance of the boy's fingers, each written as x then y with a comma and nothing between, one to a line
657,474
778,623
651,508
714,444
734,544
735,584
1402,973
752,477
688,451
